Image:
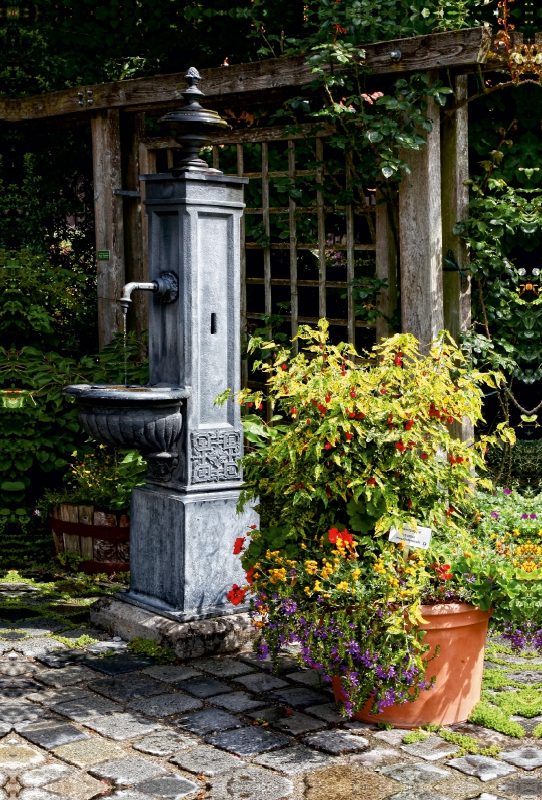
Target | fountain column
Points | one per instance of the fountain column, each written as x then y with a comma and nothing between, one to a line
183,521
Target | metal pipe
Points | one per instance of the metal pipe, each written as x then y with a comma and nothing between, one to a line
166,287
127,290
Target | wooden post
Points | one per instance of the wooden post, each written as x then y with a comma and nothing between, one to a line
420,237
133,131
455,207
108,220
386,265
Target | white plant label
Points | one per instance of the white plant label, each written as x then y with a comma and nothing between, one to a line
420,538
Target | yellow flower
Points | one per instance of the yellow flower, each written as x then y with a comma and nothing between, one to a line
311,567
356,573
317,586
343,586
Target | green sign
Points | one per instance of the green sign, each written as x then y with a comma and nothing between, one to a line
103,255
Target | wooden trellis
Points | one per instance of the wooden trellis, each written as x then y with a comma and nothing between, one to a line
410,239
323,247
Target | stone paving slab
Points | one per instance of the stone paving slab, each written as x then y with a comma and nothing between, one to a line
65,677
127,771
41,776
528,758
210,720
417,773
222,667
164,743
122,726
79,787
325,711
208,761
171,673
52,697
118,664
84,708
165,705
88,752
336,742
482,767
236,701
172,787
203,687
126,688
294,760
248,741
259,682
49,735
298,698
256,784
432,749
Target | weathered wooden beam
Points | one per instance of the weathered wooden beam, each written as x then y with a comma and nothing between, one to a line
386,266
420,238
436,51
132,131
455,208
108,220
275,133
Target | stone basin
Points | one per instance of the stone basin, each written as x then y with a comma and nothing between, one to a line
147,418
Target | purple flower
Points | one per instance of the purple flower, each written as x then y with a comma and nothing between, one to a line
289,606
468,577
507,491
524,516
533,516
494,515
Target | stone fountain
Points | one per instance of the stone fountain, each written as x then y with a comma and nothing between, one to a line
183,522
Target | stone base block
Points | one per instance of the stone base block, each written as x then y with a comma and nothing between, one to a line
227,634
182,563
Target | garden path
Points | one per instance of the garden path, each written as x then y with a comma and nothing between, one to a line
77,724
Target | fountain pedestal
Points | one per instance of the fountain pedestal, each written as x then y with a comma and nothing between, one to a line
183,522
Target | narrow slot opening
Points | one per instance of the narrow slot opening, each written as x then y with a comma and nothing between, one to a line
213,323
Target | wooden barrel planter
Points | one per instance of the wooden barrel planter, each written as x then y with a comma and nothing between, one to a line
100,538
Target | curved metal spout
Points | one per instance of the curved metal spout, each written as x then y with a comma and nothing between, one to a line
166,287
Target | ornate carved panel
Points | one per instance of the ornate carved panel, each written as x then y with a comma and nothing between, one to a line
214,457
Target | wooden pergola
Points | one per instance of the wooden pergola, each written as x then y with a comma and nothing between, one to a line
432,198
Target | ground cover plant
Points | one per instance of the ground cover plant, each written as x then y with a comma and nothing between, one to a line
362,452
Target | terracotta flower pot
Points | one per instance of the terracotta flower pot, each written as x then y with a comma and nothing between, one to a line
461,631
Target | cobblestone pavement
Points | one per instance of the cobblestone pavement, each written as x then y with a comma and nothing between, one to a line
75,724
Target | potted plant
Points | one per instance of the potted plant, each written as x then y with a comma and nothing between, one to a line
90,518
361,451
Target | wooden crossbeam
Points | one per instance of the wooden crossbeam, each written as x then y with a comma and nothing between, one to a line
254,81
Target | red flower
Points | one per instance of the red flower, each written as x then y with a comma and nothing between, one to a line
360,415
349,436
443,572
238,545
409,503
371,482
334,535
260,406
308,422
236,595
352,415
409,424
253,527
424,456
328,397
450,511
327,446
249,575
399,360
400,446
293,411
284,367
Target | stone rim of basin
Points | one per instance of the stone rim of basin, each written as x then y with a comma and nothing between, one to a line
132,393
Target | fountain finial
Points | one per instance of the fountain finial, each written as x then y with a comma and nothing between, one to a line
194,126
